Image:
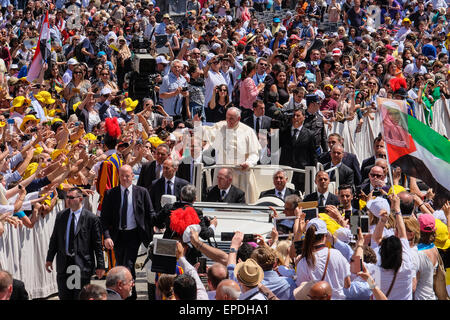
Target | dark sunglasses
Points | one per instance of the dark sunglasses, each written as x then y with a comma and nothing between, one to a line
71,198
374,175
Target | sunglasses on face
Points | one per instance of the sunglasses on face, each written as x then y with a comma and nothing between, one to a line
71,197
374,175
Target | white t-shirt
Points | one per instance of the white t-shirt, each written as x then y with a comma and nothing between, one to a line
386,233
402,289
213,79
338,269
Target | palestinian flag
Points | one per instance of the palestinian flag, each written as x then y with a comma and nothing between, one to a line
417,149
42,53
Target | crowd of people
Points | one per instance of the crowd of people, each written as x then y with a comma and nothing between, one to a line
77,131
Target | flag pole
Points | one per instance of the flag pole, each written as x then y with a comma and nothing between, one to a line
385,147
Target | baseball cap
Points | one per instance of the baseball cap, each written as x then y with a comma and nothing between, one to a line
161,59
406,20
427,222
166,15
394,43
311,98
378,204
101,53
321,226
276,20
215,46
72,61
336,52
294,37
300,64
13,66
389,47
105,91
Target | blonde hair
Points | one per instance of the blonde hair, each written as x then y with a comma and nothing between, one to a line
412,225
282,251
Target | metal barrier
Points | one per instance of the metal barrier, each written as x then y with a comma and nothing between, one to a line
199,169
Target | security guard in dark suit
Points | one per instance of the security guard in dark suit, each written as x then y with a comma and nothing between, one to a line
314,122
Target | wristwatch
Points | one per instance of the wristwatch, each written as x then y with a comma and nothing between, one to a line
372,284
233,250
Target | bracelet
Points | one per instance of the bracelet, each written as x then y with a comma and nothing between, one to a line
200,246
421,204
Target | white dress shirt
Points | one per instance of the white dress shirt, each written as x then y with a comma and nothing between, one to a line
77,218
131,221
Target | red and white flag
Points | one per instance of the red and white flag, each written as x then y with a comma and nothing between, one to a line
42,52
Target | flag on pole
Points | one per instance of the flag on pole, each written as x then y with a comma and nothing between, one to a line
417,149
42,53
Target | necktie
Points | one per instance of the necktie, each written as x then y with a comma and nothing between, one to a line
71,235
158,171
169,187
222,194
295,133
257,125
279,194
321,200
123,215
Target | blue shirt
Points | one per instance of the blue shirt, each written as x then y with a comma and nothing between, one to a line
170,83
282,287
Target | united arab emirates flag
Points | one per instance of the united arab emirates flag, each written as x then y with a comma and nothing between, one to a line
42,52
417,149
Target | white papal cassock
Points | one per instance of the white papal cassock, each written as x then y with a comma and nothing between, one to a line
236,146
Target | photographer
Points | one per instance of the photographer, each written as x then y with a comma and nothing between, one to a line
173,89
207,225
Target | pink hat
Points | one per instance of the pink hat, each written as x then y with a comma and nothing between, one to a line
427,222
294,37
389,47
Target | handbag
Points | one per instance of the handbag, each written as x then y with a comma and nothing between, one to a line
439,284
301,293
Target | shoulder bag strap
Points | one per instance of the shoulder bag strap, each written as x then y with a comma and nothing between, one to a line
326,264
392,284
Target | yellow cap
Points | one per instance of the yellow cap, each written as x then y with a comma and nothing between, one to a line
2,124
332,225
27,118
442,240
130,104
90,136
45,97
57,152
38,151
57,120
75,106
32,167
155,141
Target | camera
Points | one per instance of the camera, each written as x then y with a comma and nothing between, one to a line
376,192
184,89
34,129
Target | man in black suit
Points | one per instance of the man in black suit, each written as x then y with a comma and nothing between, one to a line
379,154
377,180
346,208
322,195
378,143
279,181
76,241
18,290
298,147
349,159
168,184
314,122
224,191
258,121
6,285
151,171
127,219
346,175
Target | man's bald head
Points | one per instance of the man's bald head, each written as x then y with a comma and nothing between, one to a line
228,290
216,273
320,291
6,282
126,175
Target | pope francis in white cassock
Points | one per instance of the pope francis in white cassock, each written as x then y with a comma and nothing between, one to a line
236,144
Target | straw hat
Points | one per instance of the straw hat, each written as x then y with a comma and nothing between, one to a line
249,273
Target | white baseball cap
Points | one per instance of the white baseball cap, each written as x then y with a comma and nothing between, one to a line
321,226
336,52
300,64
105,91
72,61
161,59
378,204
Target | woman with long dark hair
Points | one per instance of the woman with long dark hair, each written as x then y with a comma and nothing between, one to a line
318,262
281,87
395,268
218,105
